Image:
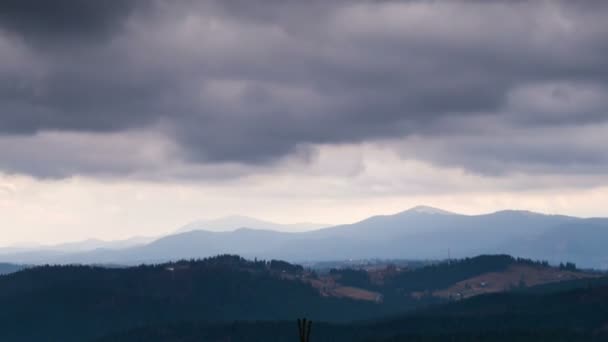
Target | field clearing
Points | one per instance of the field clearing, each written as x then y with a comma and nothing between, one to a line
356,293
514,276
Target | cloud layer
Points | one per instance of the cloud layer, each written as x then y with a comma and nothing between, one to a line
223,88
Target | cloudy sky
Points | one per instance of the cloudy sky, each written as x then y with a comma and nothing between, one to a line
133,117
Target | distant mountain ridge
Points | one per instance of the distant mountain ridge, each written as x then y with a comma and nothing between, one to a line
77,246
418,233
10,268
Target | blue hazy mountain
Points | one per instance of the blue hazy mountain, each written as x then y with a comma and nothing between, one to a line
418,233
41,254
581,241
10,268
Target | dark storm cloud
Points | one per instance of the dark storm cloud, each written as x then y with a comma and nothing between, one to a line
252,81
80,20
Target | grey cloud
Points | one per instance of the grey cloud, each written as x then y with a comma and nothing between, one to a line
505,150
254,81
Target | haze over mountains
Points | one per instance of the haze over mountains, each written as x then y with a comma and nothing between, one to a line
234,222
418,233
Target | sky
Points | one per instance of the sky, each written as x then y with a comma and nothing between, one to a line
134,117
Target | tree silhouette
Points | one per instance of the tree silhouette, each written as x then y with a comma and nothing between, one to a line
304,327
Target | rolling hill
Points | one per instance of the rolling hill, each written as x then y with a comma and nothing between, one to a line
577,312
79,303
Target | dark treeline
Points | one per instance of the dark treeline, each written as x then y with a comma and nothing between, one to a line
76,303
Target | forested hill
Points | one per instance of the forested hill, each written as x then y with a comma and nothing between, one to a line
76,303
95,301
572,316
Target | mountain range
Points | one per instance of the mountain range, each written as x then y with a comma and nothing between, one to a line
418,233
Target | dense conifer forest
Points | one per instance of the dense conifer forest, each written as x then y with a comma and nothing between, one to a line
231,298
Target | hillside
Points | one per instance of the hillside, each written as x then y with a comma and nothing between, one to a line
518,275
459,279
